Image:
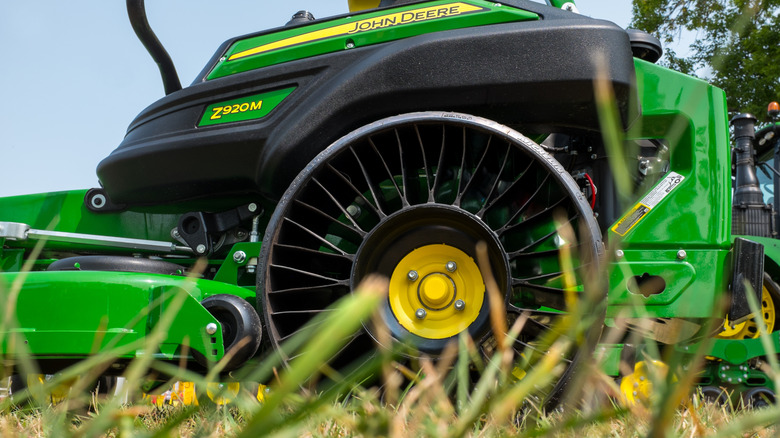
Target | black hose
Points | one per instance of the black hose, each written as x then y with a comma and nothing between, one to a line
137,14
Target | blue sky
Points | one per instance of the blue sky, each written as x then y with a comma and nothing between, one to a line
74,75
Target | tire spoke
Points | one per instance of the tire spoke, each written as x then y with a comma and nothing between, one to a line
341,176
426,168
316,236
355,227
390,175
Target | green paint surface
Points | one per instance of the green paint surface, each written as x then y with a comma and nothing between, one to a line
361,30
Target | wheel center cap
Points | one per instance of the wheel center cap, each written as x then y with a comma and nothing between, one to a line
436,290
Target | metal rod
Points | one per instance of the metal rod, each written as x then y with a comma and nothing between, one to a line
19,231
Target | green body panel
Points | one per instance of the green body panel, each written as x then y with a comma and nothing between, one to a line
71,313
691,115
65,211
680,298
740,351
695,216
65,314
362,30
608,358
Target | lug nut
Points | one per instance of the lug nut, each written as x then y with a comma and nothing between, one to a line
420,313
451,266
412,275
211,328
460,304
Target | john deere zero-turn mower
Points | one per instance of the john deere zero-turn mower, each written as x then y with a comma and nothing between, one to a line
392,140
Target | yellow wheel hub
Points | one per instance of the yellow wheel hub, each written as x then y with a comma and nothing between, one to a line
436,291
749,328
637,387
222,393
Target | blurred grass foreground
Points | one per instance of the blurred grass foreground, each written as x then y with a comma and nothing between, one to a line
458,393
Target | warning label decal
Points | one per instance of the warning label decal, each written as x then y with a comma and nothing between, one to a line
640,210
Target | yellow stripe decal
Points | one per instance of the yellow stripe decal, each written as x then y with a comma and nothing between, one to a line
380,22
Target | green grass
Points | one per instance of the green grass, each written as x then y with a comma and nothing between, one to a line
422,397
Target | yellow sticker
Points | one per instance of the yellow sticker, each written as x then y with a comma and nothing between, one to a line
380,22
633,217
664,187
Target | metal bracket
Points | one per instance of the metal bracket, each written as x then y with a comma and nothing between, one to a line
748,274
200,229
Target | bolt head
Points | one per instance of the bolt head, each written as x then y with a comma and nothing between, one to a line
252,207
420,313
353,210
619,253
211,328
451,266
642,378
412,275
681,254
200,249
460,304
239,256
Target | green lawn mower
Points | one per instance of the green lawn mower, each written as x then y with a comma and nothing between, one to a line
397,139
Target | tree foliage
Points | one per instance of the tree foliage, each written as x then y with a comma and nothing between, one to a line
736,45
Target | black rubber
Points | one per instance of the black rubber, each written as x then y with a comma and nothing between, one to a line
535,74
116,264
714,394
239,320
759,397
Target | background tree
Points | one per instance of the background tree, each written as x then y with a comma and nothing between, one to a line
736,45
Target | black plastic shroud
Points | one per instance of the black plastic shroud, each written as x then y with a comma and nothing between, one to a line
535,76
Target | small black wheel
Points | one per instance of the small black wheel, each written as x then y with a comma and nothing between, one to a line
714,395
239,321
410,197
759,397
106,385
16,384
